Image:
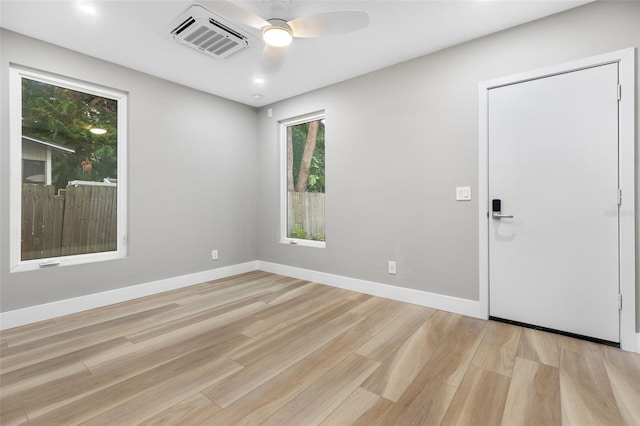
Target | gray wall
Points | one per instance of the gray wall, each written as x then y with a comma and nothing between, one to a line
192,174
398,142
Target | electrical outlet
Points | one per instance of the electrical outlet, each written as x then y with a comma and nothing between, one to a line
392,267
214,254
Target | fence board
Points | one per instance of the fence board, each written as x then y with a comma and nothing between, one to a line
111,227
306,211
27,221
81,219
67,222
58,220
47,220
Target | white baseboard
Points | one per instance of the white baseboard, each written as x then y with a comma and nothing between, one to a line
438,301
59,308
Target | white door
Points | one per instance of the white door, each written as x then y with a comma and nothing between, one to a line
553,164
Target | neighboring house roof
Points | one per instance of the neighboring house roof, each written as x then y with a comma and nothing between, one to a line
55,145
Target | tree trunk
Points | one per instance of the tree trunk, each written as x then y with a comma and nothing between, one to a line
307,155
290,159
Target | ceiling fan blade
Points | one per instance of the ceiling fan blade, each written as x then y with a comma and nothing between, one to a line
272,58
237,14
328,23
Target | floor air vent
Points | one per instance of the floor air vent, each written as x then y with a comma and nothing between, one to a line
202,30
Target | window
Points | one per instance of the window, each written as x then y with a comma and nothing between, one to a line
303,180
68,165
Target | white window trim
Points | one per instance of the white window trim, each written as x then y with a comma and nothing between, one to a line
15,172
282,136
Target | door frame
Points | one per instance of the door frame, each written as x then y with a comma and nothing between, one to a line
626,157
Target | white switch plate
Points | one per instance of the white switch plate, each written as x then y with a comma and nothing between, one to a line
463,193
214,254
392,267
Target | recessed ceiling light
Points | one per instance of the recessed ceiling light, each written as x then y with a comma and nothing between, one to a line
258,80
87,8
256,96
97,131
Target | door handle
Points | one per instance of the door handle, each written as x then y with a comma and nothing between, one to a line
496,207
499,216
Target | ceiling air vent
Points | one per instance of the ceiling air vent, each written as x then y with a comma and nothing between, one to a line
200,29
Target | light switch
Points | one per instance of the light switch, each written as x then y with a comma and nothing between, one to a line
463,193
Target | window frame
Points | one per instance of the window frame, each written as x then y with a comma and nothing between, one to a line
284,200
16,74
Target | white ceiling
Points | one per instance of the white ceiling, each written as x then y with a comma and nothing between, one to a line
135,34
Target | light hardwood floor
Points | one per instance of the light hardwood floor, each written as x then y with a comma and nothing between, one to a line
265,349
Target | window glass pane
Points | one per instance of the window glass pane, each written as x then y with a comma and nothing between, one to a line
69,171
306,180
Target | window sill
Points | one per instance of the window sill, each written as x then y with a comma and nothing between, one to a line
304,243
60,262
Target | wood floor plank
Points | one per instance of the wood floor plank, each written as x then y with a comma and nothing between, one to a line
264,368
358,403
291,335
580,346
43,378
534,395
372,415
71,341
261,403
539,346
172,343
194,410
68,323
335,386
400,368
12,413
296,289
290,312
314,292
623,370
585,391
59,361
183,319
201,362
378,313
265,348
480,399
427,398
59,393
155,399
498,349
395,334
241,284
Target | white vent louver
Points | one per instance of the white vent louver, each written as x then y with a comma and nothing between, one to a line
200,29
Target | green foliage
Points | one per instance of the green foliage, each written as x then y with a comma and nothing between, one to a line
319,237
298,232
317,174
316,177
56,114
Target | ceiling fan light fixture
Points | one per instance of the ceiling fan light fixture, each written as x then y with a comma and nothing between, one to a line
278,34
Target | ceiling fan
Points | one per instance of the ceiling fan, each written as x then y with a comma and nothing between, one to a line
279,32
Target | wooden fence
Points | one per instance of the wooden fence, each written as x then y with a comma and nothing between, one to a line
81,219
306,211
